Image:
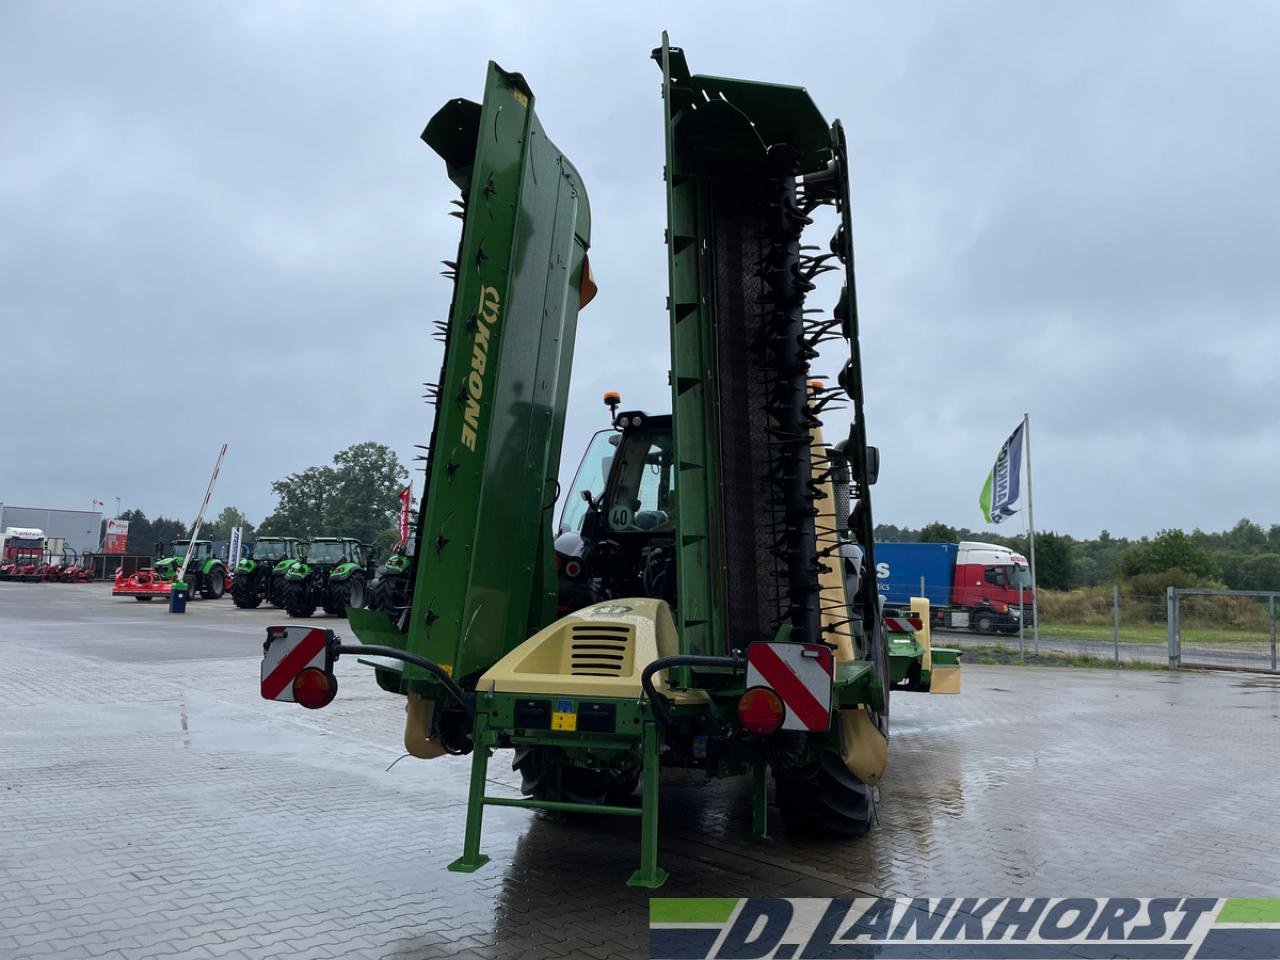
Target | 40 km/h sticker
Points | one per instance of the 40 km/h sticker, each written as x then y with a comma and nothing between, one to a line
800,674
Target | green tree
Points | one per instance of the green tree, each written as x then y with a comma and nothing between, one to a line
937,532
1055,561
1250,571
356,497
220,527
164,530
1169,550
301,502
1245,537
141,539
365,502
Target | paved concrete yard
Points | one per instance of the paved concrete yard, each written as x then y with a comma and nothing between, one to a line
152,805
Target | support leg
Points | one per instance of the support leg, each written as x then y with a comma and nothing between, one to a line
472,859
650,874
557,791
760,802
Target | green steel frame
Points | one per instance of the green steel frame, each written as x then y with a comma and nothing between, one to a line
493,727
485,569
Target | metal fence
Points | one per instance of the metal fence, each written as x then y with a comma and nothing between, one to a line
1183,628
1222,628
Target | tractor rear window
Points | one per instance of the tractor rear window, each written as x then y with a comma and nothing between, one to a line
271,550
644,497
324,553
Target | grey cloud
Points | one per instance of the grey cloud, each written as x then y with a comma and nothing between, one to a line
218,223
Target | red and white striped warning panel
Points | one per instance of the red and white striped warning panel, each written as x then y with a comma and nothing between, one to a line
289,651
903,624
799,673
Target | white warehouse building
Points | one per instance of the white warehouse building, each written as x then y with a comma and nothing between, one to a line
78,529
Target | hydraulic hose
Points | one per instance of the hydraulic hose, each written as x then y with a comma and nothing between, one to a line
433,668
657,701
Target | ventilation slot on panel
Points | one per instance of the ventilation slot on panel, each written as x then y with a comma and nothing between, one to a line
600,651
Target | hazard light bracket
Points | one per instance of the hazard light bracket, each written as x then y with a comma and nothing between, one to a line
290,650
801,674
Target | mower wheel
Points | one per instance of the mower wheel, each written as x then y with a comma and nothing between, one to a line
144,599
213,584
825,799
243,594
297,599
346,593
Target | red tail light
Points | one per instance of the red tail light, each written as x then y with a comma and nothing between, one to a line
313,688
761,710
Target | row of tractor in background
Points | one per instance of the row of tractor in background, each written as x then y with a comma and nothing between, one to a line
298,576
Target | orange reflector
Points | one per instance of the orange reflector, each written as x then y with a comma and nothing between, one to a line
587,286
313,688
761,710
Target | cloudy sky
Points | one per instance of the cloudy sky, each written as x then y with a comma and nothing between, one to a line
217,222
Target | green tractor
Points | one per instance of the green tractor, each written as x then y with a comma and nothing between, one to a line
389,593
723,616
206,574
260,576
333,575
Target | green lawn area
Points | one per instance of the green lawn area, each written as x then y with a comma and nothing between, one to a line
1152,633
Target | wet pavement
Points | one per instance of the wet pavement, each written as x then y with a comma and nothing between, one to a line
152,806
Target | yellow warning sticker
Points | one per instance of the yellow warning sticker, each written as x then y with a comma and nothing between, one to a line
564,721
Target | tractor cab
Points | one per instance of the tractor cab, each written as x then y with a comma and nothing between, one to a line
332,551
273,549
618,526
202,551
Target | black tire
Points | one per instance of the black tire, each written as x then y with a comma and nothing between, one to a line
275,592
984,622
577,784
390,595
825,799
244,593
297,599
346,593
144,599
214,583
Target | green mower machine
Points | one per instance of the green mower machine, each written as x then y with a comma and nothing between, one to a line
723,613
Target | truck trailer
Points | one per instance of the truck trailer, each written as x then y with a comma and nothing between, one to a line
22,554
984,587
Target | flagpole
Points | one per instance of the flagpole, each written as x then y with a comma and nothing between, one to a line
1031,538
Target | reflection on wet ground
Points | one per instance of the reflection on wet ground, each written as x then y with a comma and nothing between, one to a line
152,804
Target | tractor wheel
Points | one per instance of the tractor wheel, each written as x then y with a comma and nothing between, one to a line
390,595
213,584
577,784
346,593
297,599
275,592
826,798
243,594
984,622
